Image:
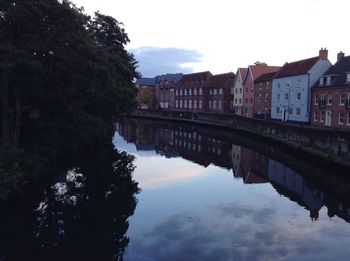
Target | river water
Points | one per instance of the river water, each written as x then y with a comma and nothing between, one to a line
209,195
181,192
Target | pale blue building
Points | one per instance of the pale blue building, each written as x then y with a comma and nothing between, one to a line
291,88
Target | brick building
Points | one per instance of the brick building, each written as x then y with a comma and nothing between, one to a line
220,97
146,93
191,94
331,96
263,92
254,72
165,90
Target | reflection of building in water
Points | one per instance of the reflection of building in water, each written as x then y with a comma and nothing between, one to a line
250,174
293,186
236,161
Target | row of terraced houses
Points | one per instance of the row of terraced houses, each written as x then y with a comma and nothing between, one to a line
311,91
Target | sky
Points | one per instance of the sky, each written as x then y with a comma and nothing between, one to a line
223,35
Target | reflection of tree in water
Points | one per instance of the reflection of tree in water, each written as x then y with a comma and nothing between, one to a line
83,216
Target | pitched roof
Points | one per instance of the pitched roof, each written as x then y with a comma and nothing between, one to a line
196,76
258,70
146,81
266,77
339,70
169,77
221,80
243,72
297,68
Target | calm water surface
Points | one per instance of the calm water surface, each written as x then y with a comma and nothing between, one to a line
180,192
205,197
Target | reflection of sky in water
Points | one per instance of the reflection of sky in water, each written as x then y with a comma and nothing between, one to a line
188,212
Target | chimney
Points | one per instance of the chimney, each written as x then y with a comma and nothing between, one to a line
340,56
323,54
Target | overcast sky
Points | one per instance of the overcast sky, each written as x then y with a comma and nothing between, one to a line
222,35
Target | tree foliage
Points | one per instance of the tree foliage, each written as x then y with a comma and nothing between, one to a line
64,77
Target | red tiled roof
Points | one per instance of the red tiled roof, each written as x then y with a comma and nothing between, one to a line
221,80
297,68
196,76
266,77
243,72
258,70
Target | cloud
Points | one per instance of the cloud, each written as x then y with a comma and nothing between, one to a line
236,232
154,61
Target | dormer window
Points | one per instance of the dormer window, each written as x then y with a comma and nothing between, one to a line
321,81
328,80
348,77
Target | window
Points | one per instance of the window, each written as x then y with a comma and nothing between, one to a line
240,100
185,104
246,100
176,93
232,90
180,103
185,92
278,96
329,99
220,91
277,109
297,111
341,118
348,122
286,95
180,92
200,104
200,91
235,100
260,86
267,84
317,97
288,84
236,90
251,100
290,111
278,85
214,105
348,101
342,99
209,104
240,90
323,116
195,104
177,104
260,97
190,104
220,105
215,91
328,80
190,92
316,113
210,92
298,96
321,81
266,97
246,90
348,77
195,91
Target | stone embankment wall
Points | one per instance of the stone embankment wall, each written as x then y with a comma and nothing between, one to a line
332,142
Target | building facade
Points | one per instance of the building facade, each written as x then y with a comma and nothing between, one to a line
220,97
291,88
165,90
146,93
238,90
254,72
331,96
263,92
191,94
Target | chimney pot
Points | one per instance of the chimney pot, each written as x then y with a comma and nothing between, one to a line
323,54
